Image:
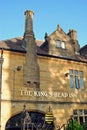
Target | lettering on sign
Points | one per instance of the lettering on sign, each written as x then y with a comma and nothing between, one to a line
48,94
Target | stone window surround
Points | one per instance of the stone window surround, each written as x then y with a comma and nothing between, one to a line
76,79
80,115
61,44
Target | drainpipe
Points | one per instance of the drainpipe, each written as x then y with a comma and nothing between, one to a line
1,61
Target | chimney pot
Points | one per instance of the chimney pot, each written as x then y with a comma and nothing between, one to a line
29,12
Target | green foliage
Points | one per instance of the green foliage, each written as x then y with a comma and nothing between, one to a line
75,125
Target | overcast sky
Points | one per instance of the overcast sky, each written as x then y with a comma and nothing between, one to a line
70,14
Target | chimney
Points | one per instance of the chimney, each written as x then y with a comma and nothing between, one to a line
28,22
31,67
73,34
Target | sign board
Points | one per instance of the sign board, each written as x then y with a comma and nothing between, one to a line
49,117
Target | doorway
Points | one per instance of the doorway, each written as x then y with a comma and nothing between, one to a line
28,121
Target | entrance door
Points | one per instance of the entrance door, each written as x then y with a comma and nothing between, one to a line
28,121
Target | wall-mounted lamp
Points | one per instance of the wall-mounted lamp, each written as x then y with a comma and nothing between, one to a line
66,74
19,68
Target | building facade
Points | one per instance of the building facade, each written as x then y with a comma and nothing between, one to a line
41,77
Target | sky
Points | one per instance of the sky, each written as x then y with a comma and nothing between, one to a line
69,14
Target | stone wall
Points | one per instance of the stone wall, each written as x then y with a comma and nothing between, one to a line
54,88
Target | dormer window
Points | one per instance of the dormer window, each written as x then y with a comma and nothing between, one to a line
60,44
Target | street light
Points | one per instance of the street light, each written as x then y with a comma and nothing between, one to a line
1,62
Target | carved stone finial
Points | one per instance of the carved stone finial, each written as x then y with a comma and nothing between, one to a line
58,27
24,107
45,36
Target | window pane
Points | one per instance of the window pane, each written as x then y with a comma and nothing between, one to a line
80,112
76,82
81,83
75,72
71,81
81,73
63,45
81,119
85,112
75,112
86,119
58,43
70,71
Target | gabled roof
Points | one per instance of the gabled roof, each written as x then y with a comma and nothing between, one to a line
15,44
83,51
39,42
59,32
84,47
44,46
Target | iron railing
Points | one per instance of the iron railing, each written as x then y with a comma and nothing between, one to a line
70,125
66,126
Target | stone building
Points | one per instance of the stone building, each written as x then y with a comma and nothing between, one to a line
42,77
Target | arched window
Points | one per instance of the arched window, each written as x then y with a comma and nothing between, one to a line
28,121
